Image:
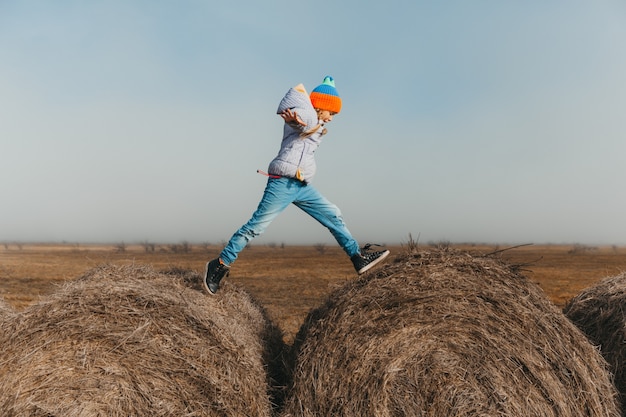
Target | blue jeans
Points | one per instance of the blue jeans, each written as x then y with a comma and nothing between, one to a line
279,193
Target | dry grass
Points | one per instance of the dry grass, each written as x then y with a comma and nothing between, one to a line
287,282
444,333
563,271
130,341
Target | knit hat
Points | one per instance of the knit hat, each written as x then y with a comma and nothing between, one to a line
325,96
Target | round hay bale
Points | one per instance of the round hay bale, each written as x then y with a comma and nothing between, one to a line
599,311
445,333
130,341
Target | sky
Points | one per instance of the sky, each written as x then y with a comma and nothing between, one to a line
145,120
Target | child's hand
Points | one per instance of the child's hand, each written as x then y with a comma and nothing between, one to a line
292,118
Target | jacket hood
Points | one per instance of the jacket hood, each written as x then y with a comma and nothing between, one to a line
295,99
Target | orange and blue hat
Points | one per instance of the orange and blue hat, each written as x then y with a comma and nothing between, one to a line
325,96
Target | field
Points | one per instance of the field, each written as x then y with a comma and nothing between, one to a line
288,281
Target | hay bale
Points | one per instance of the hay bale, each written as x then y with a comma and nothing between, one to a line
599,311
444,333
130,341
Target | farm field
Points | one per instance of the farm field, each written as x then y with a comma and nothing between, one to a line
288,281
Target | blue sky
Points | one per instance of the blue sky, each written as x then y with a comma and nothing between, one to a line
482,121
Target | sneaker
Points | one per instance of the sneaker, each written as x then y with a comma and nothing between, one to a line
215,271
367,259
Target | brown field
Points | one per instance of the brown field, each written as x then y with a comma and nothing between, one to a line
287,281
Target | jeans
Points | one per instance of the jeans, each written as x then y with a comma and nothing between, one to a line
279,193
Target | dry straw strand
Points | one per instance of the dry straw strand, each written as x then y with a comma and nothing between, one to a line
7,314
445,333
5,308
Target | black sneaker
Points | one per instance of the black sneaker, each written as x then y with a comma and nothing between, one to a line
367,259
215,271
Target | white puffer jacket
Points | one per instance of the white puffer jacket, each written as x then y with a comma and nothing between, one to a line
297,152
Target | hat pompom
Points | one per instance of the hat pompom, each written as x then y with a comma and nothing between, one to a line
325,96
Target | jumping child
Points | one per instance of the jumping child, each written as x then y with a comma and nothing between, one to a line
289,181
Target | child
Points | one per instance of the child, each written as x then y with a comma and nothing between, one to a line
290,174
